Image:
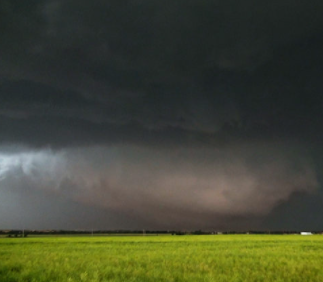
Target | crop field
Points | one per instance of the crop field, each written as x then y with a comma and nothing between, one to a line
163,258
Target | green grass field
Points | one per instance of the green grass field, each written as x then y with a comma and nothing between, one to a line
163,258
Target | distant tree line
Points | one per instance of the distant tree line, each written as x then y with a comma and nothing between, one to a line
14,233
25,233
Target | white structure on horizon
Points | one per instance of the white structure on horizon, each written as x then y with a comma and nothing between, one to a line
306,233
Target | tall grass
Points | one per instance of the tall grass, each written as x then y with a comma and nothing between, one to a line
163,258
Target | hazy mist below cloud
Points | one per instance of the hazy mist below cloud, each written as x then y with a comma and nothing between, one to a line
173,187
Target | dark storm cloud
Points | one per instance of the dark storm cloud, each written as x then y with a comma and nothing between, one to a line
208,109
158,64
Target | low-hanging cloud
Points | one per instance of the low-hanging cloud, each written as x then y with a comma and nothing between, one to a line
169,187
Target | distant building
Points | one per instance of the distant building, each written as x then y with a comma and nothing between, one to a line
306,233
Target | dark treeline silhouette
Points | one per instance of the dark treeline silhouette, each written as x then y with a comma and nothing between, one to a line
26,233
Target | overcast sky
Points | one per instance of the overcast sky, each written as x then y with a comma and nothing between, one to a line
145,114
